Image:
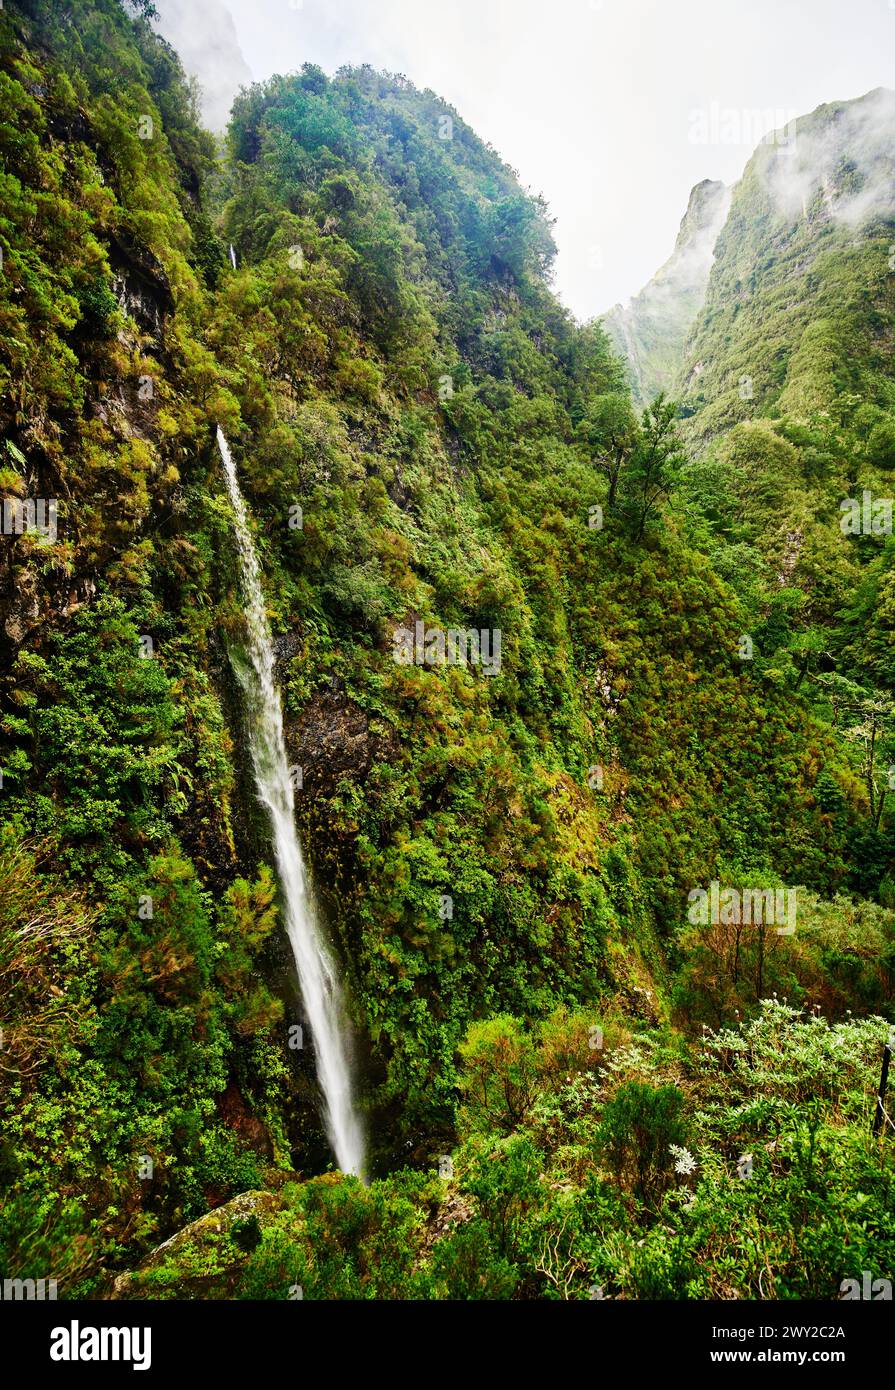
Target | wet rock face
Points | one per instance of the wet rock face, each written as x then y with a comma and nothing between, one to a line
234,1111
331,741
124,409
21,601
140,285
32,601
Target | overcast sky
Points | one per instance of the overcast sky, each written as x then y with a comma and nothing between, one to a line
595,102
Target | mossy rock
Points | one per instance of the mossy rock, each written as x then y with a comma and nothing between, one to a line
203,1259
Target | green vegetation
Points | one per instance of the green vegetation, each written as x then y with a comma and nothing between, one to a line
739,1168
503,861
791,424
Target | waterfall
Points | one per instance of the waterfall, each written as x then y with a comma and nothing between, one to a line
317,973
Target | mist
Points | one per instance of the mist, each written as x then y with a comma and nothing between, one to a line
204,35
845,153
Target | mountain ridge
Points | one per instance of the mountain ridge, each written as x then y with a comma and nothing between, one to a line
650,331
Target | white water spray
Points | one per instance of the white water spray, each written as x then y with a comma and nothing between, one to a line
316,973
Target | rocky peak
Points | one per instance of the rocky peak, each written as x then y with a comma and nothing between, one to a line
651,330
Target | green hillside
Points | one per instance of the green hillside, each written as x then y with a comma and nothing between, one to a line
788,386
504,857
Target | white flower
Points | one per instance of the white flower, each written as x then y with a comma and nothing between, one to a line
684,1162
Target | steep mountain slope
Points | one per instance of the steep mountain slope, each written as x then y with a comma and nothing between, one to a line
461,401
790,391
799,297
650,331
421,432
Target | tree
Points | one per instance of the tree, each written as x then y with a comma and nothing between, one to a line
145,8
519,235
466,1266
609,430
655,464
499,1073
505,1180
881,444
869,723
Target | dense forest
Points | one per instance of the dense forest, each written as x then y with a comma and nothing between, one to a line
574,1083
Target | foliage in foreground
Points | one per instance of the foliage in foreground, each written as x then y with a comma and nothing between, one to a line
743,1167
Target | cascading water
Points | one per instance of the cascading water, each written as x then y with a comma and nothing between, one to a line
317,975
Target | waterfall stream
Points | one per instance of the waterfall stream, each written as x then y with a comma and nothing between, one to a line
317,974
